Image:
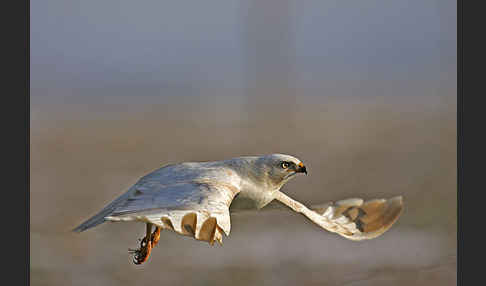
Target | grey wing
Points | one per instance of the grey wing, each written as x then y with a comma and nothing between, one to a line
198,208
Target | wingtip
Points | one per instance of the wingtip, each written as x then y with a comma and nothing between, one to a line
398,199
389,214
396,203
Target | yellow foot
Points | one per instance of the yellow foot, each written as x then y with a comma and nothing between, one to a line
142,254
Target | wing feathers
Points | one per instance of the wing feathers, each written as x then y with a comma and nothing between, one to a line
371,218
196,209
351,218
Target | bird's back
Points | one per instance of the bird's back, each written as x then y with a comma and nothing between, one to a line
172,183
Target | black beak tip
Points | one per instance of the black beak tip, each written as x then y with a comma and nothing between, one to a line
304,170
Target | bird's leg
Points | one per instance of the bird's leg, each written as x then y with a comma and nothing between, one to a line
142,254
155,237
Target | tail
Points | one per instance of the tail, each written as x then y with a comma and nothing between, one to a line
99,218
95,220
371,218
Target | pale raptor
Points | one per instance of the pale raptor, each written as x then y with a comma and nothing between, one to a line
196,199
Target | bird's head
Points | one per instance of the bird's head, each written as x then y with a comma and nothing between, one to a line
279,168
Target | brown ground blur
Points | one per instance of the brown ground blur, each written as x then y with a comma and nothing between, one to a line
84,153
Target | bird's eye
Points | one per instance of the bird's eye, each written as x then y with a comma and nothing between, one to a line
285,165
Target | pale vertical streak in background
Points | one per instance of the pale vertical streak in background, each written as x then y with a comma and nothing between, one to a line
269,60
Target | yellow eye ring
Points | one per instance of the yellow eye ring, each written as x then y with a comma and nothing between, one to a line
285,165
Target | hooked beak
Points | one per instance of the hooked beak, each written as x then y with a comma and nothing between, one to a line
301,169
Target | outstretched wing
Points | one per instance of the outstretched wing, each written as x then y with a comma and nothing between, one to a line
189,199
199,209
353,219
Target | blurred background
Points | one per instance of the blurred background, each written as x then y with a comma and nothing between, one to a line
364,92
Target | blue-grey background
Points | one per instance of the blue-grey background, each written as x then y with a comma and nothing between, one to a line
362,91
124,46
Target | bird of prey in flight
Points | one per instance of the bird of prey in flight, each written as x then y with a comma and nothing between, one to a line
196,199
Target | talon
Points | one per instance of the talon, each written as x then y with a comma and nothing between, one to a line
143,242
142,254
